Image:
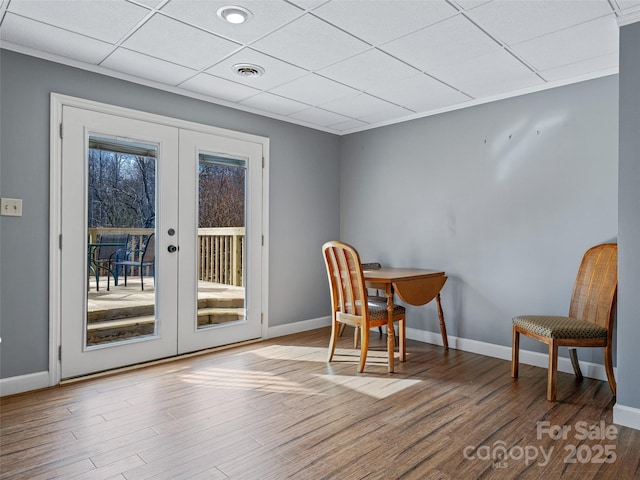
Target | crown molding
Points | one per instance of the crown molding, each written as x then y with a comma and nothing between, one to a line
629,18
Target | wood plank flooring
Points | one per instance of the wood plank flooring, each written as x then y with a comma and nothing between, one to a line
276,410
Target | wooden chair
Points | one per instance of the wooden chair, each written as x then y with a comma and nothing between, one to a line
350,303
590,320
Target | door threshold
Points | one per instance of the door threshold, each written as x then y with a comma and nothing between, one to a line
160,361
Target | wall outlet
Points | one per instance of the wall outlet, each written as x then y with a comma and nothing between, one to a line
11,207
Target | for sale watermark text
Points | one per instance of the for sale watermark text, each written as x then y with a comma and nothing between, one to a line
500,454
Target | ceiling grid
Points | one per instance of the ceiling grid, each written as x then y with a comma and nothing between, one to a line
336,65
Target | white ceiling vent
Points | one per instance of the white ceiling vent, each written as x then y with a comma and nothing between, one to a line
248,70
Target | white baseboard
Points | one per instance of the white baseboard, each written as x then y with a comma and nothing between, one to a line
527,357
626,416
23,383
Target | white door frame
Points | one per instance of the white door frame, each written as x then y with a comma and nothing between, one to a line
55,213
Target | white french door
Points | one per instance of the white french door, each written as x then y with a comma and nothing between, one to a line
161,250
208,319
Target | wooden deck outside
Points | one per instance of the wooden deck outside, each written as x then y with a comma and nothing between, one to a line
121,313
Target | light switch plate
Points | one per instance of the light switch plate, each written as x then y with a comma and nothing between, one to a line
11,207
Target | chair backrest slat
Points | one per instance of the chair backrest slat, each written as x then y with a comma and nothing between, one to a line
595,288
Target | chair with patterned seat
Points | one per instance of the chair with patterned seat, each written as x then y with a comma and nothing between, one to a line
350,303
590,320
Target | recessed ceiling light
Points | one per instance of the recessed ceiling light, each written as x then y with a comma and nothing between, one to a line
234,14
248,70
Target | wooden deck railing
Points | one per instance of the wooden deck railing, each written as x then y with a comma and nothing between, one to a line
220,251
221,255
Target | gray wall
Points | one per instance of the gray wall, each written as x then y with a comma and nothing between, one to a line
628,217
505,197
303,203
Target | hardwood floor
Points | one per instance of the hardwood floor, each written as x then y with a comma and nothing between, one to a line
277,410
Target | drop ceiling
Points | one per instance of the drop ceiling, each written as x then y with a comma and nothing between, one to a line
340,65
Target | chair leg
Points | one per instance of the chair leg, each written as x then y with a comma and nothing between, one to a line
142,277
332,340
515,353
573,354
343,326
553,372
608,365
402,344
364,347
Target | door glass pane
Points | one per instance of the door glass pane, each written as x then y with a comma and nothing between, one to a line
221,239
121,210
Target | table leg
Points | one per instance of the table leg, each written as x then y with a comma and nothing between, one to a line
443,328
391,335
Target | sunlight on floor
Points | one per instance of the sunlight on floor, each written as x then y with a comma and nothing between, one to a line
243,380
261,381
378,388
290,352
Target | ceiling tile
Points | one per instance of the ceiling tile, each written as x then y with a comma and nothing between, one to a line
313,90
273,103
317,116
591,39
387,115
276,73
308,4
266,16
176,42
143,66
361,105
400,17
310,43
419,93
604,63
150,3
452,41
514,22
106,20
367,69
32,34
218,87
348,125
494,73
471,4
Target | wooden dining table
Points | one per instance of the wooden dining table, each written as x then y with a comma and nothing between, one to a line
415,286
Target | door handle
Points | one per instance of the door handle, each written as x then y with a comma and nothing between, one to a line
172,248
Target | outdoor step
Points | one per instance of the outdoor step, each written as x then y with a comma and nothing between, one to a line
128,311
212,316
220,311
107,315
220,303
130,321
121,323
